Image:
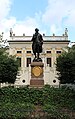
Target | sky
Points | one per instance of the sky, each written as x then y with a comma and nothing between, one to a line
49,16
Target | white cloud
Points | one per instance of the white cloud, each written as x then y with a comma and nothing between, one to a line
6,25
57,14
53,29
19,27
60,12
27,26
4,8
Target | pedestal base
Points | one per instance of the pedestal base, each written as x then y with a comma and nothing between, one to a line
36,82
37,74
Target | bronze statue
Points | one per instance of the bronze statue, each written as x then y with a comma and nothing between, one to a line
37,44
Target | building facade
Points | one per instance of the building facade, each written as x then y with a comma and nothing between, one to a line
21,46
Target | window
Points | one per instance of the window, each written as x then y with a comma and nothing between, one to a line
28,51
28,61
48,51
49,61
19,61
18,51
58,52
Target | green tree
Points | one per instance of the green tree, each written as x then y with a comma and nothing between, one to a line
65,65
8,67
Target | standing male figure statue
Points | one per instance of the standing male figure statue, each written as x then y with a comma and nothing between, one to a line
37,44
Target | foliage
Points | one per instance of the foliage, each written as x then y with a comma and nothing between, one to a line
20,102
65,65
18,110
8,67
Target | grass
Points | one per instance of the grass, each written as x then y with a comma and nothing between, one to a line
18,103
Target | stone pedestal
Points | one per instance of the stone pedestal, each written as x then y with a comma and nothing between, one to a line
37,74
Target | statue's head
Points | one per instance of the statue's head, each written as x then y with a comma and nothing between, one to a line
36,29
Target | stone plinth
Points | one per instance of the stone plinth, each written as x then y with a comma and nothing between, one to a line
37,74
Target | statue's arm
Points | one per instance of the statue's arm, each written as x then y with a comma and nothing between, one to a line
41,39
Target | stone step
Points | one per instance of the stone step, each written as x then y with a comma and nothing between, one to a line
36,86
